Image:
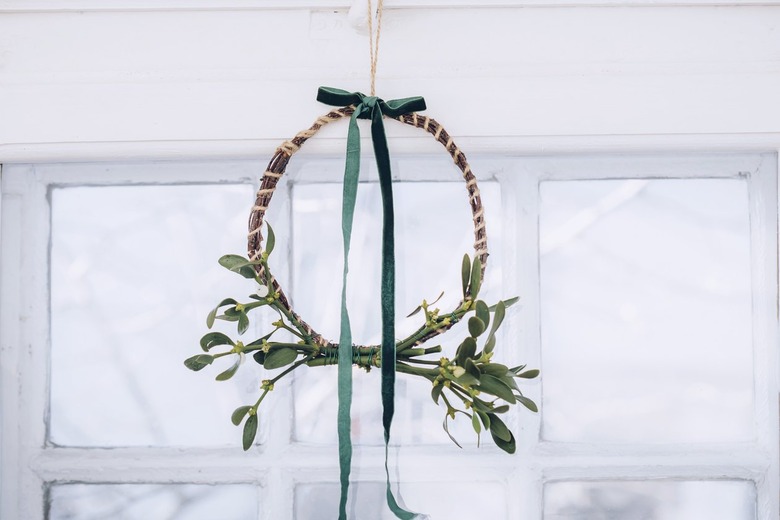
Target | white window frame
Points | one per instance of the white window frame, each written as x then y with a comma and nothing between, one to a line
754,461
277,465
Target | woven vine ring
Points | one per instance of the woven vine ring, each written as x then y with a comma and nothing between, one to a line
278,165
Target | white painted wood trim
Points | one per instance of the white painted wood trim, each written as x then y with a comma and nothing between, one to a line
762,192
10,338
48,6
262,149
34,362
24,359
122,174
524,189
758,461
231,465
24,300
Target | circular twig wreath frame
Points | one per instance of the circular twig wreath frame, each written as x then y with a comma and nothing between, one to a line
469,376
278,165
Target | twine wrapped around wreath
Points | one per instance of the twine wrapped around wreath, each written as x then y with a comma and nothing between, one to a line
278,165
469,376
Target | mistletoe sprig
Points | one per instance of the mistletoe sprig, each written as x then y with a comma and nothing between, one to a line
486,389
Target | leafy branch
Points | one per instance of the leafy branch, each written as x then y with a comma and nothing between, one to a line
485,389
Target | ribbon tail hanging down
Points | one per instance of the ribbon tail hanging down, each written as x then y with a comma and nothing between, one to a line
351,172
382,156
368,108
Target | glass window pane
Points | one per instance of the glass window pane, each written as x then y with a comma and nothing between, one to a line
146,502
654,500
433,231
134,273
646,311
367,500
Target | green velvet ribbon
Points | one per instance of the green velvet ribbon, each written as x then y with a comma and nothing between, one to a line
373,108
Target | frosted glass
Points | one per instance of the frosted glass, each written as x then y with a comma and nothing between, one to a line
446,500
433,232
152,502
134,273
646,311
657,500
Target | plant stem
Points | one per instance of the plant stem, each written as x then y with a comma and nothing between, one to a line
287,314
292,331
274,345
401,346
273,381
414,352
421,361
290,369
427,373
426,330
457,391
449,406
260,400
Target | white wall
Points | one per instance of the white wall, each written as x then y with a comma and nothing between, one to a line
163,82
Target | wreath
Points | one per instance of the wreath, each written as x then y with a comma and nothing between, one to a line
470,376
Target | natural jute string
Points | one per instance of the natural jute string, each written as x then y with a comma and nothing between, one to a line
373,40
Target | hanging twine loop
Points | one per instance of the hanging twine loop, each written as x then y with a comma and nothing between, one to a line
373,39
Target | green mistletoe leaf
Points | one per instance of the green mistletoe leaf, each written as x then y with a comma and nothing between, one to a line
447,429
270,241
213,339
490,344
476,277
213,314
498,318
504,408
198,362
279,357
494,386
475,423
232,261
483,313
239,264
509,381
230,372
466,379
495,369
476,326
482,406
498,428
436,393
472,368
250,431
466,350
528,403
465,274
415,311
484,418
507,303
509,446
243,322
239,414
529,374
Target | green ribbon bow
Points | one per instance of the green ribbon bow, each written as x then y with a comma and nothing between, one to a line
373,108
